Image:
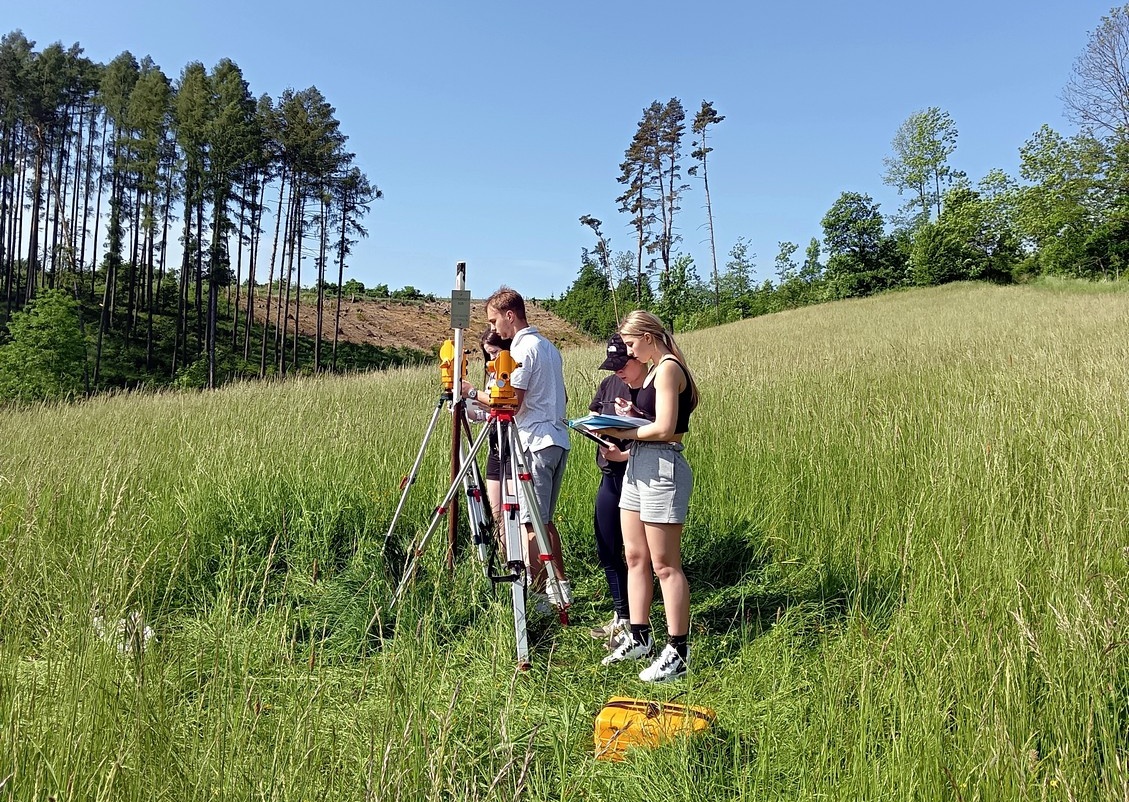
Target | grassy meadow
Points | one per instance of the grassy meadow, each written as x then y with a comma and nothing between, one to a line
908,554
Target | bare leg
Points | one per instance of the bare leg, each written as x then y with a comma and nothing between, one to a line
665,544
636,550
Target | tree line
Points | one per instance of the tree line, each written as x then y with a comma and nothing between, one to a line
104,166
1065,214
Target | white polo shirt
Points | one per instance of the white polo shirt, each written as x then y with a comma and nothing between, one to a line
540,421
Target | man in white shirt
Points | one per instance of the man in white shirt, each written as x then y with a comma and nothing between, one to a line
540,388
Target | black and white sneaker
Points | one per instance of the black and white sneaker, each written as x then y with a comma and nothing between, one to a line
669,666
629,649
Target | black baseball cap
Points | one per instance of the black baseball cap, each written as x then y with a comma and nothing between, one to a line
617,354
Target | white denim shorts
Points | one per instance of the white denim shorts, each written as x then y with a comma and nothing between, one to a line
658,482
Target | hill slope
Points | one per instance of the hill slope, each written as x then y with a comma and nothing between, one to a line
421,325
907,553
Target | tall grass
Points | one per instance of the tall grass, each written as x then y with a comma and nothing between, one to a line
908,557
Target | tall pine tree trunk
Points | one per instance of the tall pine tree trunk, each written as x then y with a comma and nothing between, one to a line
340,277
238,270
299,228
253,258
288,260
215,265
156,301
131,282
321,290
76,192
200,276
270,276
36,200
181,344
7,178
113,257
87,191
21,203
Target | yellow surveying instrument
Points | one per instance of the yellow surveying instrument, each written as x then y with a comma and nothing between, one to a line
447,365
516,483
502,392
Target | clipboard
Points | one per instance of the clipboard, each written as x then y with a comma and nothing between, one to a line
595,438
609,422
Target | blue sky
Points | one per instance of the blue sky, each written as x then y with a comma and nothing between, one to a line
491,127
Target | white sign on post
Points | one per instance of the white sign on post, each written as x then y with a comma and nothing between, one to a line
460,309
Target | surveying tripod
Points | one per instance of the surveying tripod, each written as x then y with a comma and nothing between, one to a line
472,479
515,471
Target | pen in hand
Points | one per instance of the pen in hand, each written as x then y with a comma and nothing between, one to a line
625,407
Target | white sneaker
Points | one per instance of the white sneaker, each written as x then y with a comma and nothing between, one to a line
629,649
668,667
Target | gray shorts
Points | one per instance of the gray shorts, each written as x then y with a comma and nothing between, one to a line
658,482
547,467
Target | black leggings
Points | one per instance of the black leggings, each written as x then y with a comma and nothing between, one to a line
609,540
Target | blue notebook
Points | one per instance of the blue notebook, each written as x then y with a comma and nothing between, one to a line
608,422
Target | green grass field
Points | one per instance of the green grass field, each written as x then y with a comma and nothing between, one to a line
908,554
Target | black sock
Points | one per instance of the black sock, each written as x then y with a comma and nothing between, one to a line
641,633
681,644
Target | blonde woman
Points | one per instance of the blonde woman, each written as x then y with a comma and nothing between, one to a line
655,499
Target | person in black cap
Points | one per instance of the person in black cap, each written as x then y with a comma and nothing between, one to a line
623,383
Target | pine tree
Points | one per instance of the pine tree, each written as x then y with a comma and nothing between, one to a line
703,121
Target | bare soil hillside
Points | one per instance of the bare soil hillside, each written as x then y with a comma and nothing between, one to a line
422,325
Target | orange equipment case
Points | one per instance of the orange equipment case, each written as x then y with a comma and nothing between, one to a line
625,722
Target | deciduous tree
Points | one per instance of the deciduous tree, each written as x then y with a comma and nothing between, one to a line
853,231
1097,95
46,355
919,164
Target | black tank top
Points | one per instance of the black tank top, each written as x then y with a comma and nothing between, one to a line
645,401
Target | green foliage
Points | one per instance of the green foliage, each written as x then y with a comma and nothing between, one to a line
587,302
862,259
409,293
1054,209
965,243
1106,249
45,356
683,297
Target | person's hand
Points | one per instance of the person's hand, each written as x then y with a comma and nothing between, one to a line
613,453
624,408
465,387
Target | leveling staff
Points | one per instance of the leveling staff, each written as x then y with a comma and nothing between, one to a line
541,400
